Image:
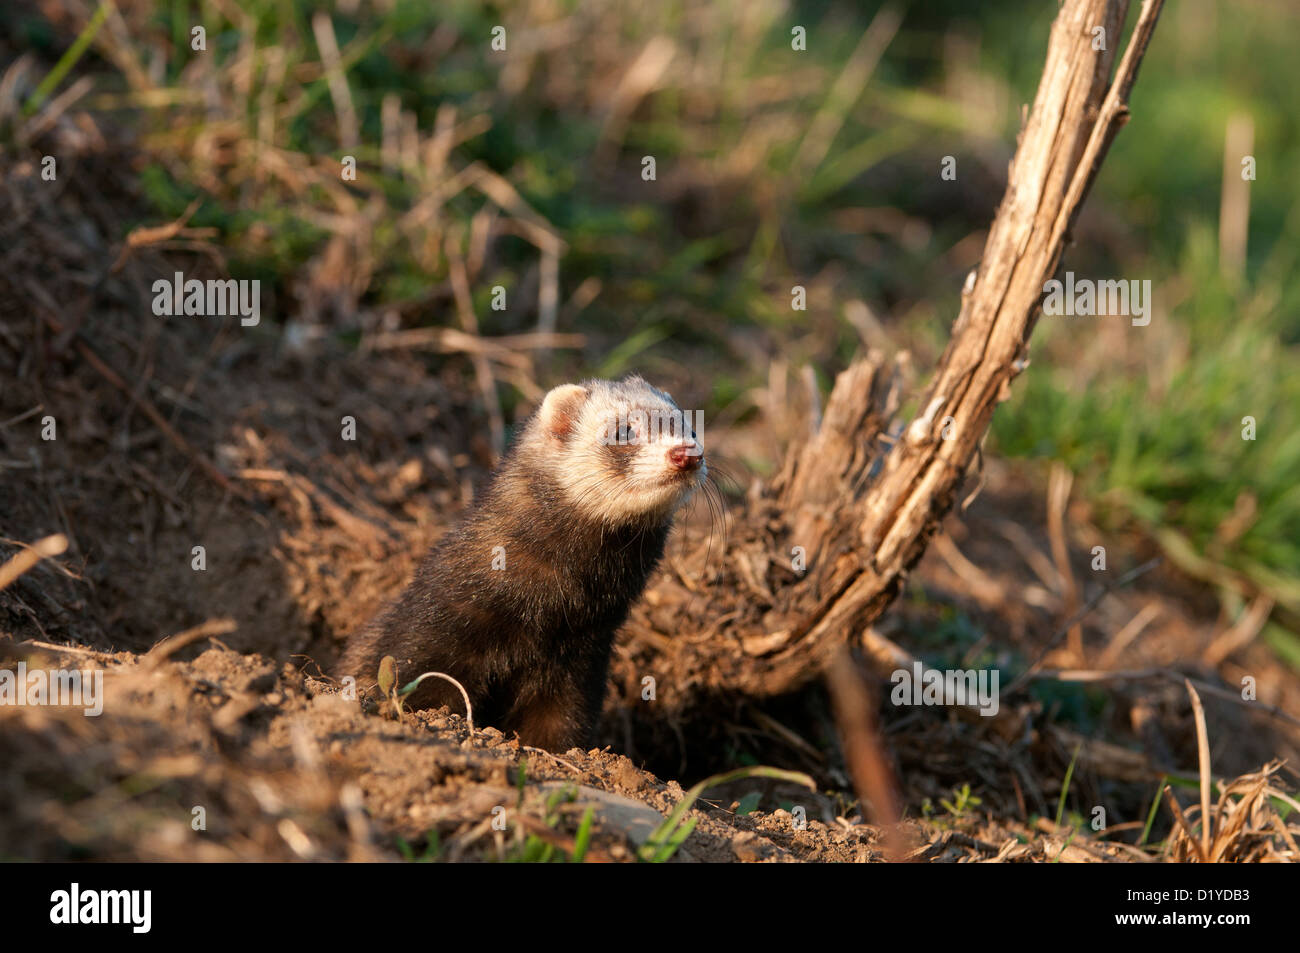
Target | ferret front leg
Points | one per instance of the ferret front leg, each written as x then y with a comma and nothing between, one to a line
555,721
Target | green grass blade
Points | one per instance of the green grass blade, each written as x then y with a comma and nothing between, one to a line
1065,786
666,834
67,60
1151,814
582,839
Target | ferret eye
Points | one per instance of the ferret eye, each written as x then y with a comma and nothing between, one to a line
623,435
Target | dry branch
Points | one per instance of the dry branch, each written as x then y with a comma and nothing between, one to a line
863,530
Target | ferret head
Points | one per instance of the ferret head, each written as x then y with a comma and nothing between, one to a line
620,451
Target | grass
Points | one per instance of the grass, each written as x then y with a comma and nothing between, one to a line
1065,785
1150,420
1162,449
666,839
69,59
432,849
530,848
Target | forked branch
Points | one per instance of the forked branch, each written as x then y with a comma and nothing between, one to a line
864,530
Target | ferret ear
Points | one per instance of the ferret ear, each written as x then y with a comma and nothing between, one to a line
561,408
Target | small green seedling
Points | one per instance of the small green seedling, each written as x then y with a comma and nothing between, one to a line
387,681
1151,814
672,833
963,801
432,848
1065,785
533,849
582,840
749,803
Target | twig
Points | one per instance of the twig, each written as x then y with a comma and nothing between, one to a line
147,235
70,649
344,110
873,778
1182,822
28,557
174,643
1086,675
482,367
19,418
1203,760
1126,635
42,123
1058,497
1087,607
469,711
556,758
505,349
1241,633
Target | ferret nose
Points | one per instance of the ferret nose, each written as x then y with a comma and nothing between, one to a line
686,456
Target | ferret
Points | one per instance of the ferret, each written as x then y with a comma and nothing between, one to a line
520,602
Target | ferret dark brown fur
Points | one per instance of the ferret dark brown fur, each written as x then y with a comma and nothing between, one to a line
520,603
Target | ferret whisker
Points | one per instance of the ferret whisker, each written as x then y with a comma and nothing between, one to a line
638,537
714,518
717,508
691,507
716,470
709,505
